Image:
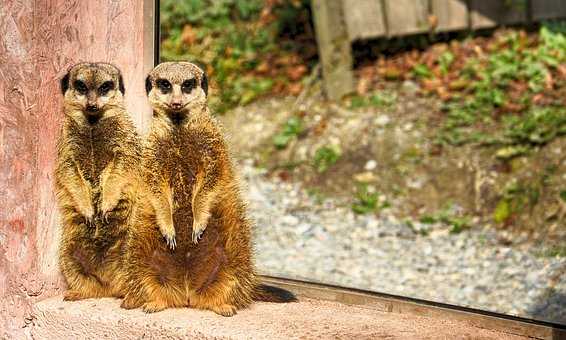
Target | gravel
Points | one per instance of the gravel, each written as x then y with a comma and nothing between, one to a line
297,236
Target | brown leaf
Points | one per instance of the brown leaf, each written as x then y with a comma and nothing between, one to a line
512,107
443,93
295,89
363,85
431,84
548,81
458,84
188,36
391,73
263,67
296,72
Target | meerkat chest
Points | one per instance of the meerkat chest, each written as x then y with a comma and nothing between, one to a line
94,149
184,160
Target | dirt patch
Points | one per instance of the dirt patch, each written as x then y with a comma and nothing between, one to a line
390,149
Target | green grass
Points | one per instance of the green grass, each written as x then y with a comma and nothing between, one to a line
325,157
292,128
516,197
377,99
457,223
366,201
491,111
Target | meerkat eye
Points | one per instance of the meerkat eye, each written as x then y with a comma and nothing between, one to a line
80,86
105,87
188,85
164,85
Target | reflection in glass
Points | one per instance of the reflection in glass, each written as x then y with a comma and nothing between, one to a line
441,177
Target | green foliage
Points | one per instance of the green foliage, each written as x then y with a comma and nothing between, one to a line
378,99
502,211
491,79
325,157
538,126
516,197
365,201
292,128
555,251
445,216
421,71
444,61
563,196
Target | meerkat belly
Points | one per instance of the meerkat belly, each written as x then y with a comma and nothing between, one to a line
183,180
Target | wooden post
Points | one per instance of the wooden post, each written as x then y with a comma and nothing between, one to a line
334,48
39,41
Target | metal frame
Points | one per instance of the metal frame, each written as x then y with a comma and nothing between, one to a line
368,299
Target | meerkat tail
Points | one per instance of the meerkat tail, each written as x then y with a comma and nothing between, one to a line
268,293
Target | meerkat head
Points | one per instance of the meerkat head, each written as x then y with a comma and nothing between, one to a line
91,89
176,89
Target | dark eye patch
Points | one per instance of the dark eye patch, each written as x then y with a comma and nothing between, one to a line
164,85
80,86
105,87
188,85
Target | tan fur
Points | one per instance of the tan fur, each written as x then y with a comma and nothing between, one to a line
95,180
190,182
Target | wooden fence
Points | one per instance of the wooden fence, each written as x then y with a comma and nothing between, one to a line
339,22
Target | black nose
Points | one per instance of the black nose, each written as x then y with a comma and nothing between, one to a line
91,108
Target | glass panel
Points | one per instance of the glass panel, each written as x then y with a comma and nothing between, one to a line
440,175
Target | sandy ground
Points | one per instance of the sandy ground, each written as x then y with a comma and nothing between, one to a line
307,319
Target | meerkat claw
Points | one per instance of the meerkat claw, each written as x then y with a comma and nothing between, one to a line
197,236
171,241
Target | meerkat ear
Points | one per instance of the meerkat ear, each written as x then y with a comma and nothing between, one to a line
204,84
148,85
65,83
121,85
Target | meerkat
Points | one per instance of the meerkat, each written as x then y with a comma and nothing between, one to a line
189,242
97,159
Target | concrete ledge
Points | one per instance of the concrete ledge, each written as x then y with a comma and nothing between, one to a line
307,319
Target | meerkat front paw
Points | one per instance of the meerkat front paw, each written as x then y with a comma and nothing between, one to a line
87,210
198,230
108,202
168,233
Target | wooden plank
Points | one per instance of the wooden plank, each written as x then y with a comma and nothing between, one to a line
334,48
451,15
394,304
406,16
364,19
39,41
485,14
548,9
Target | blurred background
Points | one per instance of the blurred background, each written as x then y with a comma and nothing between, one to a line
414,148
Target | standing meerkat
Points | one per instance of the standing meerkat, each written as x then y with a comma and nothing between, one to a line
189,243
98,154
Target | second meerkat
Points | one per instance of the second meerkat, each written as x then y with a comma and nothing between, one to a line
189,243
